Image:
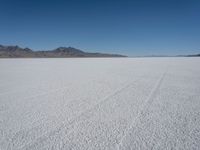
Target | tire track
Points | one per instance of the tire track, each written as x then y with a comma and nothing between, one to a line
143,109
27,131
84,114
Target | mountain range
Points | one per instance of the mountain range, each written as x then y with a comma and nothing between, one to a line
60,52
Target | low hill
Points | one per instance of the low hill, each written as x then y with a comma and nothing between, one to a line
195,55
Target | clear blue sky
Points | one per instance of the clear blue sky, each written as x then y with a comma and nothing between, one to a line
133,27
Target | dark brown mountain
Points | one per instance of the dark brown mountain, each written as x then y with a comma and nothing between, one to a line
61,52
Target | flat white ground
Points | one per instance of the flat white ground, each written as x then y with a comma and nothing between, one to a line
100,103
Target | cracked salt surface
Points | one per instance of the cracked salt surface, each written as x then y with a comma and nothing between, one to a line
100,103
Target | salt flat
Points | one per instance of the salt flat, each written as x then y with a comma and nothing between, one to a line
100,103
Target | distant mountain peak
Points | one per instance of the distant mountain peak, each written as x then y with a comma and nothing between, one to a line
68,49
27,49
